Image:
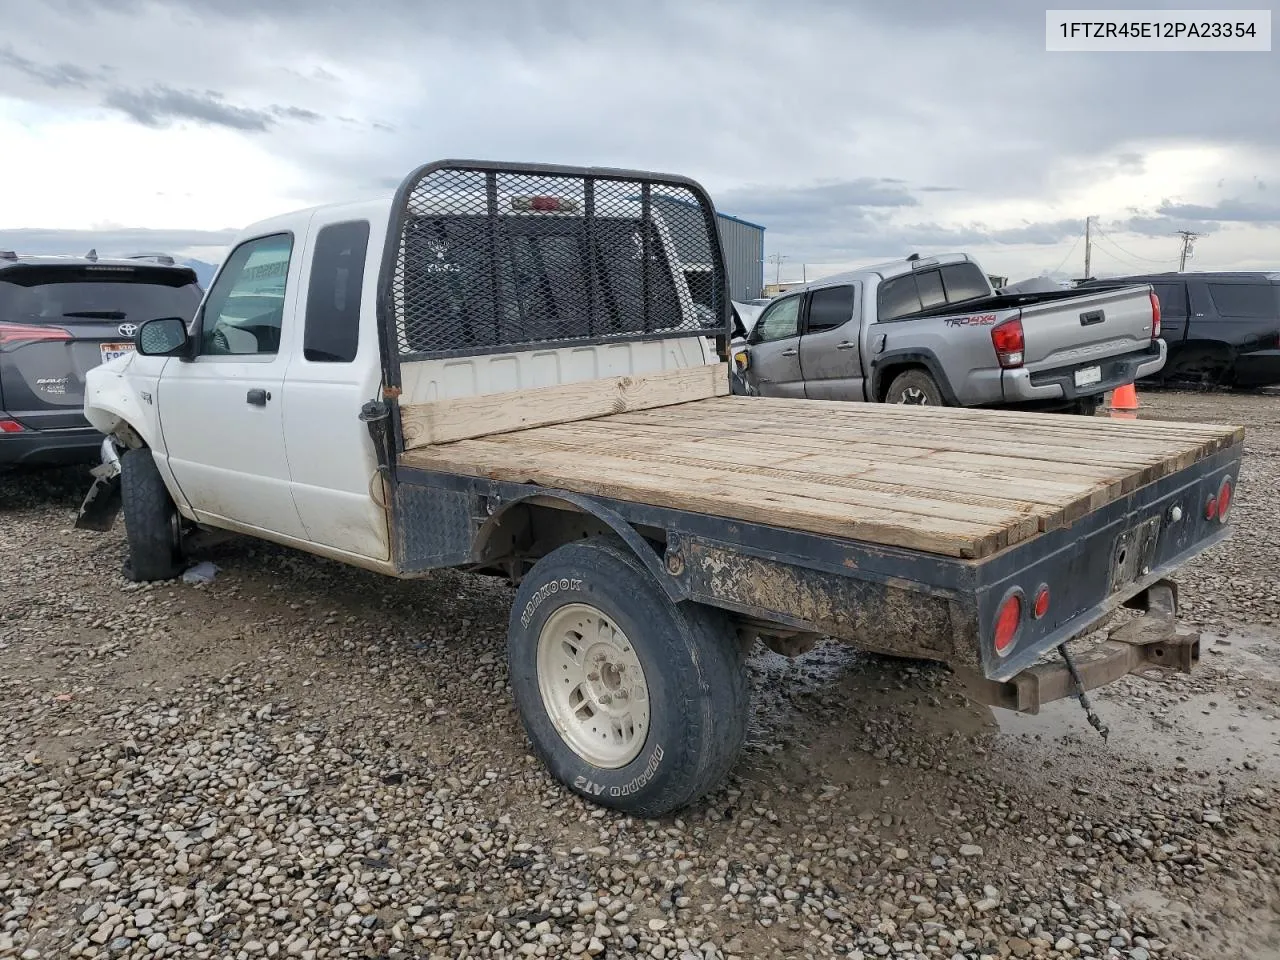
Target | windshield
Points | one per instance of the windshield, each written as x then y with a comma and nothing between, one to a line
53,300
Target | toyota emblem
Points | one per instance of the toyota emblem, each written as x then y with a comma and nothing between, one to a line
127,329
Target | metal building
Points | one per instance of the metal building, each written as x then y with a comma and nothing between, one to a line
743,244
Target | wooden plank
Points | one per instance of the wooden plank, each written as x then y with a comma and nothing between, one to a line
760,473
444,421
1042,421
706,492
924,426
835,467
1056,452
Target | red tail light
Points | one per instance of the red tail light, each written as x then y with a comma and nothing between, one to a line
1155,315
1009,343
12,334
1041,605
1224,500
1008,622
1211,507
11,426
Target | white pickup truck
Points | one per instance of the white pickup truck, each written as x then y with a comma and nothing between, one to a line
504,369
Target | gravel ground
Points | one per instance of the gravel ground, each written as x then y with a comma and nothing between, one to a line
304,760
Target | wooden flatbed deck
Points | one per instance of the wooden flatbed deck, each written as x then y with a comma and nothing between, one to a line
954,482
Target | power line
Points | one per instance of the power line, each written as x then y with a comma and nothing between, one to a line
1068,256
1111,240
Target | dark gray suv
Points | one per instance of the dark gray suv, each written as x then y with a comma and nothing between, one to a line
59,318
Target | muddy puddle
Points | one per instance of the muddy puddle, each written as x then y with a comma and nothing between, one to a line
837,712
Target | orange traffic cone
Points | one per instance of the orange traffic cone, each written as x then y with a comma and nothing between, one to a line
1124,402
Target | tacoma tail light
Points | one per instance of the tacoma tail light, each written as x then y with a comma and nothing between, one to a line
13,334
11,426
1009,343
1155,315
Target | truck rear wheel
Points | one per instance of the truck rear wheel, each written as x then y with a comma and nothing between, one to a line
631,700
915,387
151,521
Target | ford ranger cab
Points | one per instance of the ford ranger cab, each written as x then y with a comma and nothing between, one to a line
933,331
503,369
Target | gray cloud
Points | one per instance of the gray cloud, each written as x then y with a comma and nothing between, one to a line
161,105
55,75
1238,211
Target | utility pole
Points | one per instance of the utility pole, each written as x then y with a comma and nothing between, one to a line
804,273
777,259
1188,241
1088,248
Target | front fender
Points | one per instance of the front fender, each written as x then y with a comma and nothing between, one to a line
116,403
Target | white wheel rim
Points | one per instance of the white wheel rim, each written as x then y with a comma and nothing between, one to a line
593,686
913,396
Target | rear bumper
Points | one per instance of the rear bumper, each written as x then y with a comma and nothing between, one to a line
33,448
1024,385
1148,643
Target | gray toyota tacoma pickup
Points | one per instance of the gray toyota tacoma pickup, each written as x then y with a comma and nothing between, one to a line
933,331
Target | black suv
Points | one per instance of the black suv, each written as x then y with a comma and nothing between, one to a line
59,318
1222,328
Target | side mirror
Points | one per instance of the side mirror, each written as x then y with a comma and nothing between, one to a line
162,337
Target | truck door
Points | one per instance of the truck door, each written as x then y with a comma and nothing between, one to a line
331,455
830,358
221,412
775,350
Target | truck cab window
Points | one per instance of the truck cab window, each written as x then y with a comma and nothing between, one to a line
898,298
780,321
332,330
245,307
929,283
829,308
964,281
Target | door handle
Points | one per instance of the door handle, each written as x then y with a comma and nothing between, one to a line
788,353
257,397
846,345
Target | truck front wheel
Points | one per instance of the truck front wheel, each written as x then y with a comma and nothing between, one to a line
914,387
631,700
151,521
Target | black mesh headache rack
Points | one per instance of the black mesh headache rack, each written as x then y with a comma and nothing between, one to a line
485,257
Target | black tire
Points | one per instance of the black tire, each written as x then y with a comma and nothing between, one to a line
697,687
151,520
916,387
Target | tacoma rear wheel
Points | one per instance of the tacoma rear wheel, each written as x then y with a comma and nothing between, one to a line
151,520
914,387
631,700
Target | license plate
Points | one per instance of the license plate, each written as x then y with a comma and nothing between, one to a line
1088,375
112,350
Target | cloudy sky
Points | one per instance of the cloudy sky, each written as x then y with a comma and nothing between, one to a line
852,130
